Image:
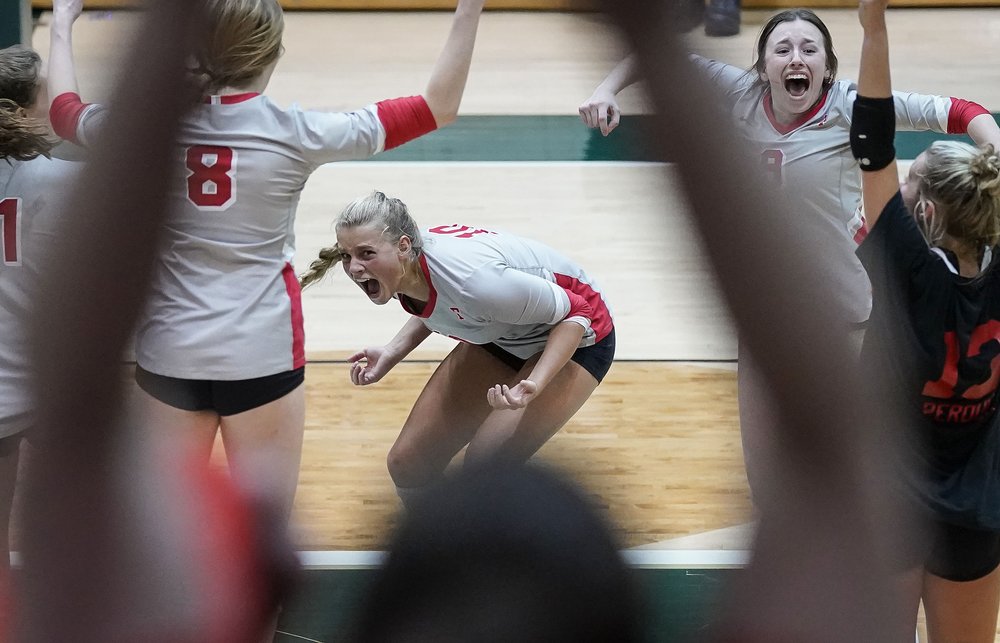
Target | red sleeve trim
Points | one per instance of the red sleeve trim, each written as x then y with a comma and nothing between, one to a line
961,114
405,119
579,307
64,114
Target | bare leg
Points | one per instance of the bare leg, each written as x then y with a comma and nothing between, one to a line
757,409
193,431
907,587
446,415
264,449
963,612
10,449
516,435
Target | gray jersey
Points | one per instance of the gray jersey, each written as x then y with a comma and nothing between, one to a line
811,158
225,301
488,286
28,210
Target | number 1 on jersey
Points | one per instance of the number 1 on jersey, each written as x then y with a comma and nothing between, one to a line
210,185
10,212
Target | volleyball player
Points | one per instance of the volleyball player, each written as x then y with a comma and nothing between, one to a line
796,116
220,346
535,335
29,191
934,342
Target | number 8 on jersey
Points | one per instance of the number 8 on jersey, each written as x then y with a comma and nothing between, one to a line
210,185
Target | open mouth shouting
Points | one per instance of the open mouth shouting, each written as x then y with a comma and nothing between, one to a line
371,287
797,84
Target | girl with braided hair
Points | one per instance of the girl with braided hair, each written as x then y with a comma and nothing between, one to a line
535,335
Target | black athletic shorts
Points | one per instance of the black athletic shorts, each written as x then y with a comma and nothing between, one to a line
595,359
225,397
962,554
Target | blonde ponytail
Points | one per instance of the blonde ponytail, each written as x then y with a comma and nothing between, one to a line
318,268
963,181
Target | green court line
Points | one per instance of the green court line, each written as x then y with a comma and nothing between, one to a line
563,138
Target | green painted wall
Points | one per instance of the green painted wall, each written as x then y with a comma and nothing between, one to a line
562,138
15,22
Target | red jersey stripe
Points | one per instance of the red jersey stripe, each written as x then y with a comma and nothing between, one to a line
64,114
404,119
600,316
961,114
298,327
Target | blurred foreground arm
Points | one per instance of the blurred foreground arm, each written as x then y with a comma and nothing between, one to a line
820,569
106,538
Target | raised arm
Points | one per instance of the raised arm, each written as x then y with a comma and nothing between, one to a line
62,70
447,83
601,109
835,512
984,129
67,112
873,125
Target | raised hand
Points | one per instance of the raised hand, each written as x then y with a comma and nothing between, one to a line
871,14
67,9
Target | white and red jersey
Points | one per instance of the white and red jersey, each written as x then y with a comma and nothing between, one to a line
225,301
28,209
488,286
811,158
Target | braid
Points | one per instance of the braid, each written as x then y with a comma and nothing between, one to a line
318,268
388,214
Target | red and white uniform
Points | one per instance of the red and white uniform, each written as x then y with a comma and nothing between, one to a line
28,198
488,286
225,302
811,158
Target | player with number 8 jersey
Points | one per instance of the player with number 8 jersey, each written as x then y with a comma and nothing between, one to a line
221,346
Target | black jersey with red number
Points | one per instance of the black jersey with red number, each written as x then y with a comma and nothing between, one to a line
934,337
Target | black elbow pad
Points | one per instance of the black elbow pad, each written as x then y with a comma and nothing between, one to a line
873,130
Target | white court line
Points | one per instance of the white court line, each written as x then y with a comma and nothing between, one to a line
641,558
504,164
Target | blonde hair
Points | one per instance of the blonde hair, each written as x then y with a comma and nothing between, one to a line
22,137
963,182
245,37
376,209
